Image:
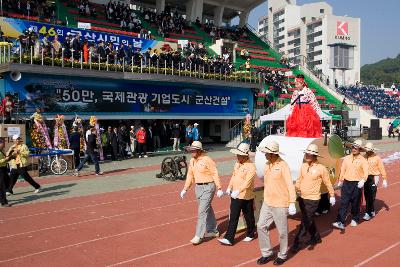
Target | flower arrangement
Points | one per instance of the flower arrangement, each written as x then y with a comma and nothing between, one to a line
78,122
246,127
39,134
61,140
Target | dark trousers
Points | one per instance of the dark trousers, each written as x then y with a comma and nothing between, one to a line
114,152
370,190
142,149
77,157
3,185
88,156
350,195
21,171
324,203
308,208
237,206
122,150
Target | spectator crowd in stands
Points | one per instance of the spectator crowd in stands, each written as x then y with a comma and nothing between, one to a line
30,8
383,105
194,56
233,33
166,22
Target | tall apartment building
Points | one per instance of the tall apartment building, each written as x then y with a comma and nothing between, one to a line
262,26
312,33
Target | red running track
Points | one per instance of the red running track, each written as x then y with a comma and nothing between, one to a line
152,226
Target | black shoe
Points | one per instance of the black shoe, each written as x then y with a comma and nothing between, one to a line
295,248
279,261
314,241
5,205
264,260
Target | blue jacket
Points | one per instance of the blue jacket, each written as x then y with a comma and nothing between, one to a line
195,132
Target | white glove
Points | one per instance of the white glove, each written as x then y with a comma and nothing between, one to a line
228,191
384,183
183,193
339,184
220,193
376,180
332,200
292,209
361,184
235,194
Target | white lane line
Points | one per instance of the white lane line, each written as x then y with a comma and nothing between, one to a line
97,204
87,206
102,238
149,255
377,254
323,233
96,219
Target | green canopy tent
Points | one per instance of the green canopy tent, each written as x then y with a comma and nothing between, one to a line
396,122
333,116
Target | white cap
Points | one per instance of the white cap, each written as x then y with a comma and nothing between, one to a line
15,136
196,124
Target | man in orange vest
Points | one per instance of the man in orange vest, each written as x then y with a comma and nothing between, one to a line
240,189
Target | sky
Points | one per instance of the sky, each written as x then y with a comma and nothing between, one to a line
380,24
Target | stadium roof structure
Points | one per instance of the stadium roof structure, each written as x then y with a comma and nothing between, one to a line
217,10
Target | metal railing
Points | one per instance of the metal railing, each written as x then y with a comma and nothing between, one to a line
236,132
113,63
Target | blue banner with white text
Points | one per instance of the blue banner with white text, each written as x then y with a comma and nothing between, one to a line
88,96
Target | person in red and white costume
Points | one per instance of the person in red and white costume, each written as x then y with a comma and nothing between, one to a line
303,120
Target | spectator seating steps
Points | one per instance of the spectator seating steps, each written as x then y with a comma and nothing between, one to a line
190,31
76,12
260,52
248,41
244,45
286,82
184,36
171,40
270,68
19,16
98,22
286,96
263,58
294,89
134,34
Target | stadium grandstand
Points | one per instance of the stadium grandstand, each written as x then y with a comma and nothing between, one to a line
148,60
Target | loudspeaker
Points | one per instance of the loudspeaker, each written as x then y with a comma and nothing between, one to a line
344,114
15,76
374,123
375,134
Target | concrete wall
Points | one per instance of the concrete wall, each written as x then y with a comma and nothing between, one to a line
223,125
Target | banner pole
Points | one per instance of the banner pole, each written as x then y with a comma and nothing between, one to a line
107,64
52,57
